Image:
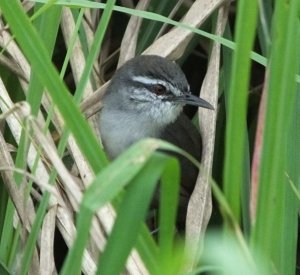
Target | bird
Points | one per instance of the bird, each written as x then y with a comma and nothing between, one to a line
145,98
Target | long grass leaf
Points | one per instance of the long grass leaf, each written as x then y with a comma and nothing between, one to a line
47,25
131,214
270,231
167,215
237,104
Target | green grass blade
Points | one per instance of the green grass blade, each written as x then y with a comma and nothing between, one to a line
237,104
148,249
7,234
112,180
3,269
270,230
150,30
107,185
32,238
72,265
95,48
227,71
169,189
4,198
131,214
47,25
290,221
264,26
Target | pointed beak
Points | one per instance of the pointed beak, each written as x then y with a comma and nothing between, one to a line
190,99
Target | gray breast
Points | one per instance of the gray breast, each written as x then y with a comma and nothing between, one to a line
121,129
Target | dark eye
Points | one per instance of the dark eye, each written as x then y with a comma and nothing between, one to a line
159,89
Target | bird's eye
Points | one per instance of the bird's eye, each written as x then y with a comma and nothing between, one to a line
159,89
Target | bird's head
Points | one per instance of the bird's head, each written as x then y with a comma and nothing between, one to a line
151,86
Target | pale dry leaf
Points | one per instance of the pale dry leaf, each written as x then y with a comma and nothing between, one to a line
127,3
70,186
89,33
200,205
134,261
170,16
7,42
77,59
91,105
15,126
28,5
15,116
25,214
173,44
129,41
6,62
47,264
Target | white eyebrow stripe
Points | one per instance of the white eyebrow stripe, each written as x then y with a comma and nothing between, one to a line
148,80
152,81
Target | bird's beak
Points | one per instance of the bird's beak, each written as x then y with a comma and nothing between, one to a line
190,99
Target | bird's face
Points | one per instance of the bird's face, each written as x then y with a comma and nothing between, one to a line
154,87
153,96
